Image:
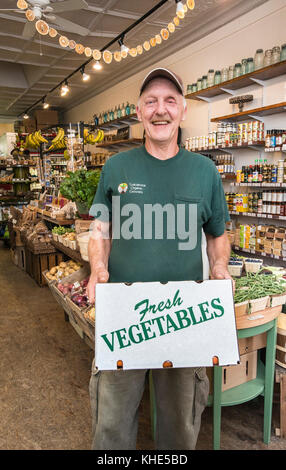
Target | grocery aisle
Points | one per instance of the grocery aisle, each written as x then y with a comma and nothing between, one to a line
45,368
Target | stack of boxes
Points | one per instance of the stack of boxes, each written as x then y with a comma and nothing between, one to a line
266,239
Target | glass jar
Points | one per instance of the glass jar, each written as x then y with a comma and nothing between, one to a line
243,66
189,88
217,79
258,59
267,58
199,84
204,81
127,109
231,72
224,74
194,87
118,112
237,70
210,77
250,65
283,52
123,110
276,53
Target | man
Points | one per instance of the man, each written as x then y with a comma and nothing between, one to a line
158,174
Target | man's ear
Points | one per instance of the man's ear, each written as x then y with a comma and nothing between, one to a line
138,113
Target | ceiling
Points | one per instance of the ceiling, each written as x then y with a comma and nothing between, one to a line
31,67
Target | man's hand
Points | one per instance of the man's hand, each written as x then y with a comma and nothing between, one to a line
219,271
101,275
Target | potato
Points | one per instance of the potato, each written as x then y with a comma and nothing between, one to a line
62,264
53,270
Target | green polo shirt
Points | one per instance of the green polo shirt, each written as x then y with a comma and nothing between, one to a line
158,209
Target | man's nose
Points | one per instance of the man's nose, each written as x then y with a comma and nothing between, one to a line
161,107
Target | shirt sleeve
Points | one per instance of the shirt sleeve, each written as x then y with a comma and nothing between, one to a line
102,202
219,211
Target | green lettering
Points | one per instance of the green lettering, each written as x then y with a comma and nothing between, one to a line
195,322
152,308
171,324
158,321
121,337
161,306
217,307
109,344
139,335
145,310
177,301
204,311
183,319
168,304
146,330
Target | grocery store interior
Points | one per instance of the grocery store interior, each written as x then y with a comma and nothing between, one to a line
70,76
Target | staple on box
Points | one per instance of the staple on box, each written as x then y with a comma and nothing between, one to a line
167,364
119,364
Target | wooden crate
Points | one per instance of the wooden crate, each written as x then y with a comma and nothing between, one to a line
19,257
36,264
232,376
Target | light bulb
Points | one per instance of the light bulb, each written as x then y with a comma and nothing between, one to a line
97,65
45,105
180,10
85,76
64,89
25,116
22,4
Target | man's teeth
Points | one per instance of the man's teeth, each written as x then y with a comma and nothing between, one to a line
160,122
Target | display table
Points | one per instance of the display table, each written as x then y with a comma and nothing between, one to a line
261,385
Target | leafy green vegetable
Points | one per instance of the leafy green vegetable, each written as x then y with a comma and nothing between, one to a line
80,186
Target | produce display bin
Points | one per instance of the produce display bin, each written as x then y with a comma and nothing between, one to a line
36,264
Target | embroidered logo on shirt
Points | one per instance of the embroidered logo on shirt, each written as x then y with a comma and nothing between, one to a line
122,188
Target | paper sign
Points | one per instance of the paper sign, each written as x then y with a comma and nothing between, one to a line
145,324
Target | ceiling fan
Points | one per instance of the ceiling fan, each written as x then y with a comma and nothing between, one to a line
47,10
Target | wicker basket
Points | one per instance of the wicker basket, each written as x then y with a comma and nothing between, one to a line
235,269
277,299
83,239
256,305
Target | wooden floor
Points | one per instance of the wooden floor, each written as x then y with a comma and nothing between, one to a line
45,371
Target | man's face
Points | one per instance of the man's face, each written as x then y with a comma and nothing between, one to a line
161,110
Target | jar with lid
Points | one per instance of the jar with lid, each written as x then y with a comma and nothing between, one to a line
250,65
243,66
217,78
204,81
231,72
210,77
224,74
237,70
194,87
283,52
199,84
267,58
258,59
276,53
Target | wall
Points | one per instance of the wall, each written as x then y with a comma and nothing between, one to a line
6,127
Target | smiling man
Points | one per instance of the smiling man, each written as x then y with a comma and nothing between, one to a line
167,197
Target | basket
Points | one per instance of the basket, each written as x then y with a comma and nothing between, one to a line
83,239
72,244
255,305
241,308
55,236
277,299
235,269
252,266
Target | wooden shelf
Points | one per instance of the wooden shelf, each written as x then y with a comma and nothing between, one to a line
258,253
259,216
230,147
121,143
253,114
73,254
120,122
260,185
266,73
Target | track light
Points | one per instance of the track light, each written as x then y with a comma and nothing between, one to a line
65,88
22,4
97,65
85,76
123,49
45,104
180,10
25,116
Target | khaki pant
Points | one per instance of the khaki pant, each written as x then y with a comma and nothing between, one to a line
180,394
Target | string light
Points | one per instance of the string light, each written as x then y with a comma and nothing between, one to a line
30,15
123,49
97,65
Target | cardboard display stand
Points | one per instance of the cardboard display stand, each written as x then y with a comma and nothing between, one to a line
153,325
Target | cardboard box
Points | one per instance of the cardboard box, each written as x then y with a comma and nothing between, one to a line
280,233
145,324
232,376
253,343
277,245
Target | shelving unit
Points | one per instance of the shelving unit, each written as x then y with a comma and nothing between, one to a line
121,143
120,122
253,114
228,87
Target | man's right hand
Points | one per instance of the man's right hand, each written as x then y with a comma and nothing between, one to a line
100,276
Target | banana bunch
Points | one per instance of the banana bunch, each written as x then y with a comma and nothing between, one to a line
34,140
60,141
91,139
